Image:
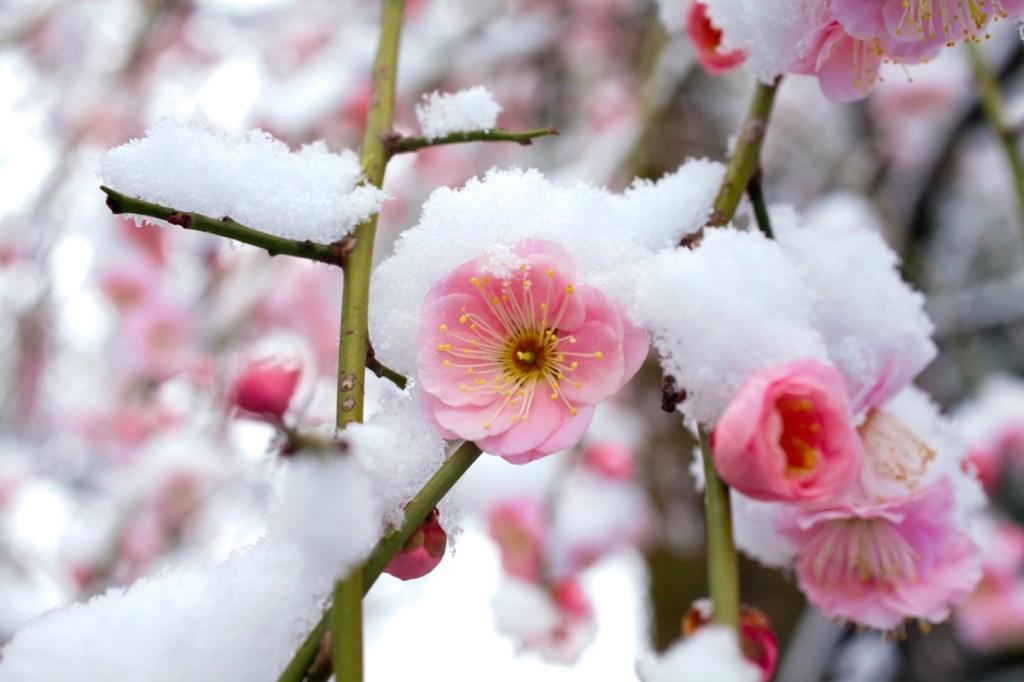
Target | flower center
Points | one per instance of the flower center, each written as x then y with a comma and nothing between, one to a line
949,19
893,451
801,438
517,348
866,552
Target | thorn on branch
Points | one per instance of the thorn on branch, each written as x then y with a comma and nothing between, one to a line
341,249
391,139
182,219
671,394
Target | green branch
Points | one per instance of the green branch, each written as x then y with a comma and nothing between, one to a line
399,144
992,103
723,567
333,254
354,339
740,176
746,157
346,619
415,512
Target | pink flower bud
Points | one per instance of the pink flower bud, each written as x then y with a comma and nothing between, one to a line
422,552
707,42
756,637
787,435
266,387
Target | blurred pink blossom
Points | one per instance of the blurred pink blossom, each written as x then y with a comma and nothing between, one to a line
520,530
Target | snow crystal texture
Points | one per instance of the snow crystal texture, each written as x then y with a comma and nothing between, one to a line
235,622
607,234
443,113
253,179
710,655
722,313
775,34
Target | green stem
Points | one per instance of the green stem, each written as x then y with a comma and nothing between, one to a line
747,156
385,372
723,568
355,299
415,512
333,254
347,628
992,103
346,623
402,145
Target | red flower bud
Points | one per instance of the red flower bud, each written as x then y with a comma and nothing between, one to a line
422,552
266,386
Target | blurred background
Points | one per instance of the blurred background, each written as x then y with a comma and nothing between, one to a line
120,454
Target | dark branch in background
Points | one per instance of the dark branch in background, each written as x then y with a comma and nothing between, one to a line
756,195
335,253
916,211
397,143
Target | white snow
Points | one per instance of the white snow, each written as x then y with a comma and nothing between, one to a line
253,179
722,313
237,621
872,322
443,113
711,654
399,450
775,34
607,234
328,508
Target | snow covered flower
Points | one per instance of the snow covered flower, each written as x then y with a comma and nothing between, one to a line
707,42
787,435
878,563
757,641
555,621
514,352
711,654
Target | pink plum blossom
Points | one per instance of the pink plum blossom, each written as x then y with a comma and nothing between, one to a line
924,23
877,563
422,552
707,42
515,358
787,435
